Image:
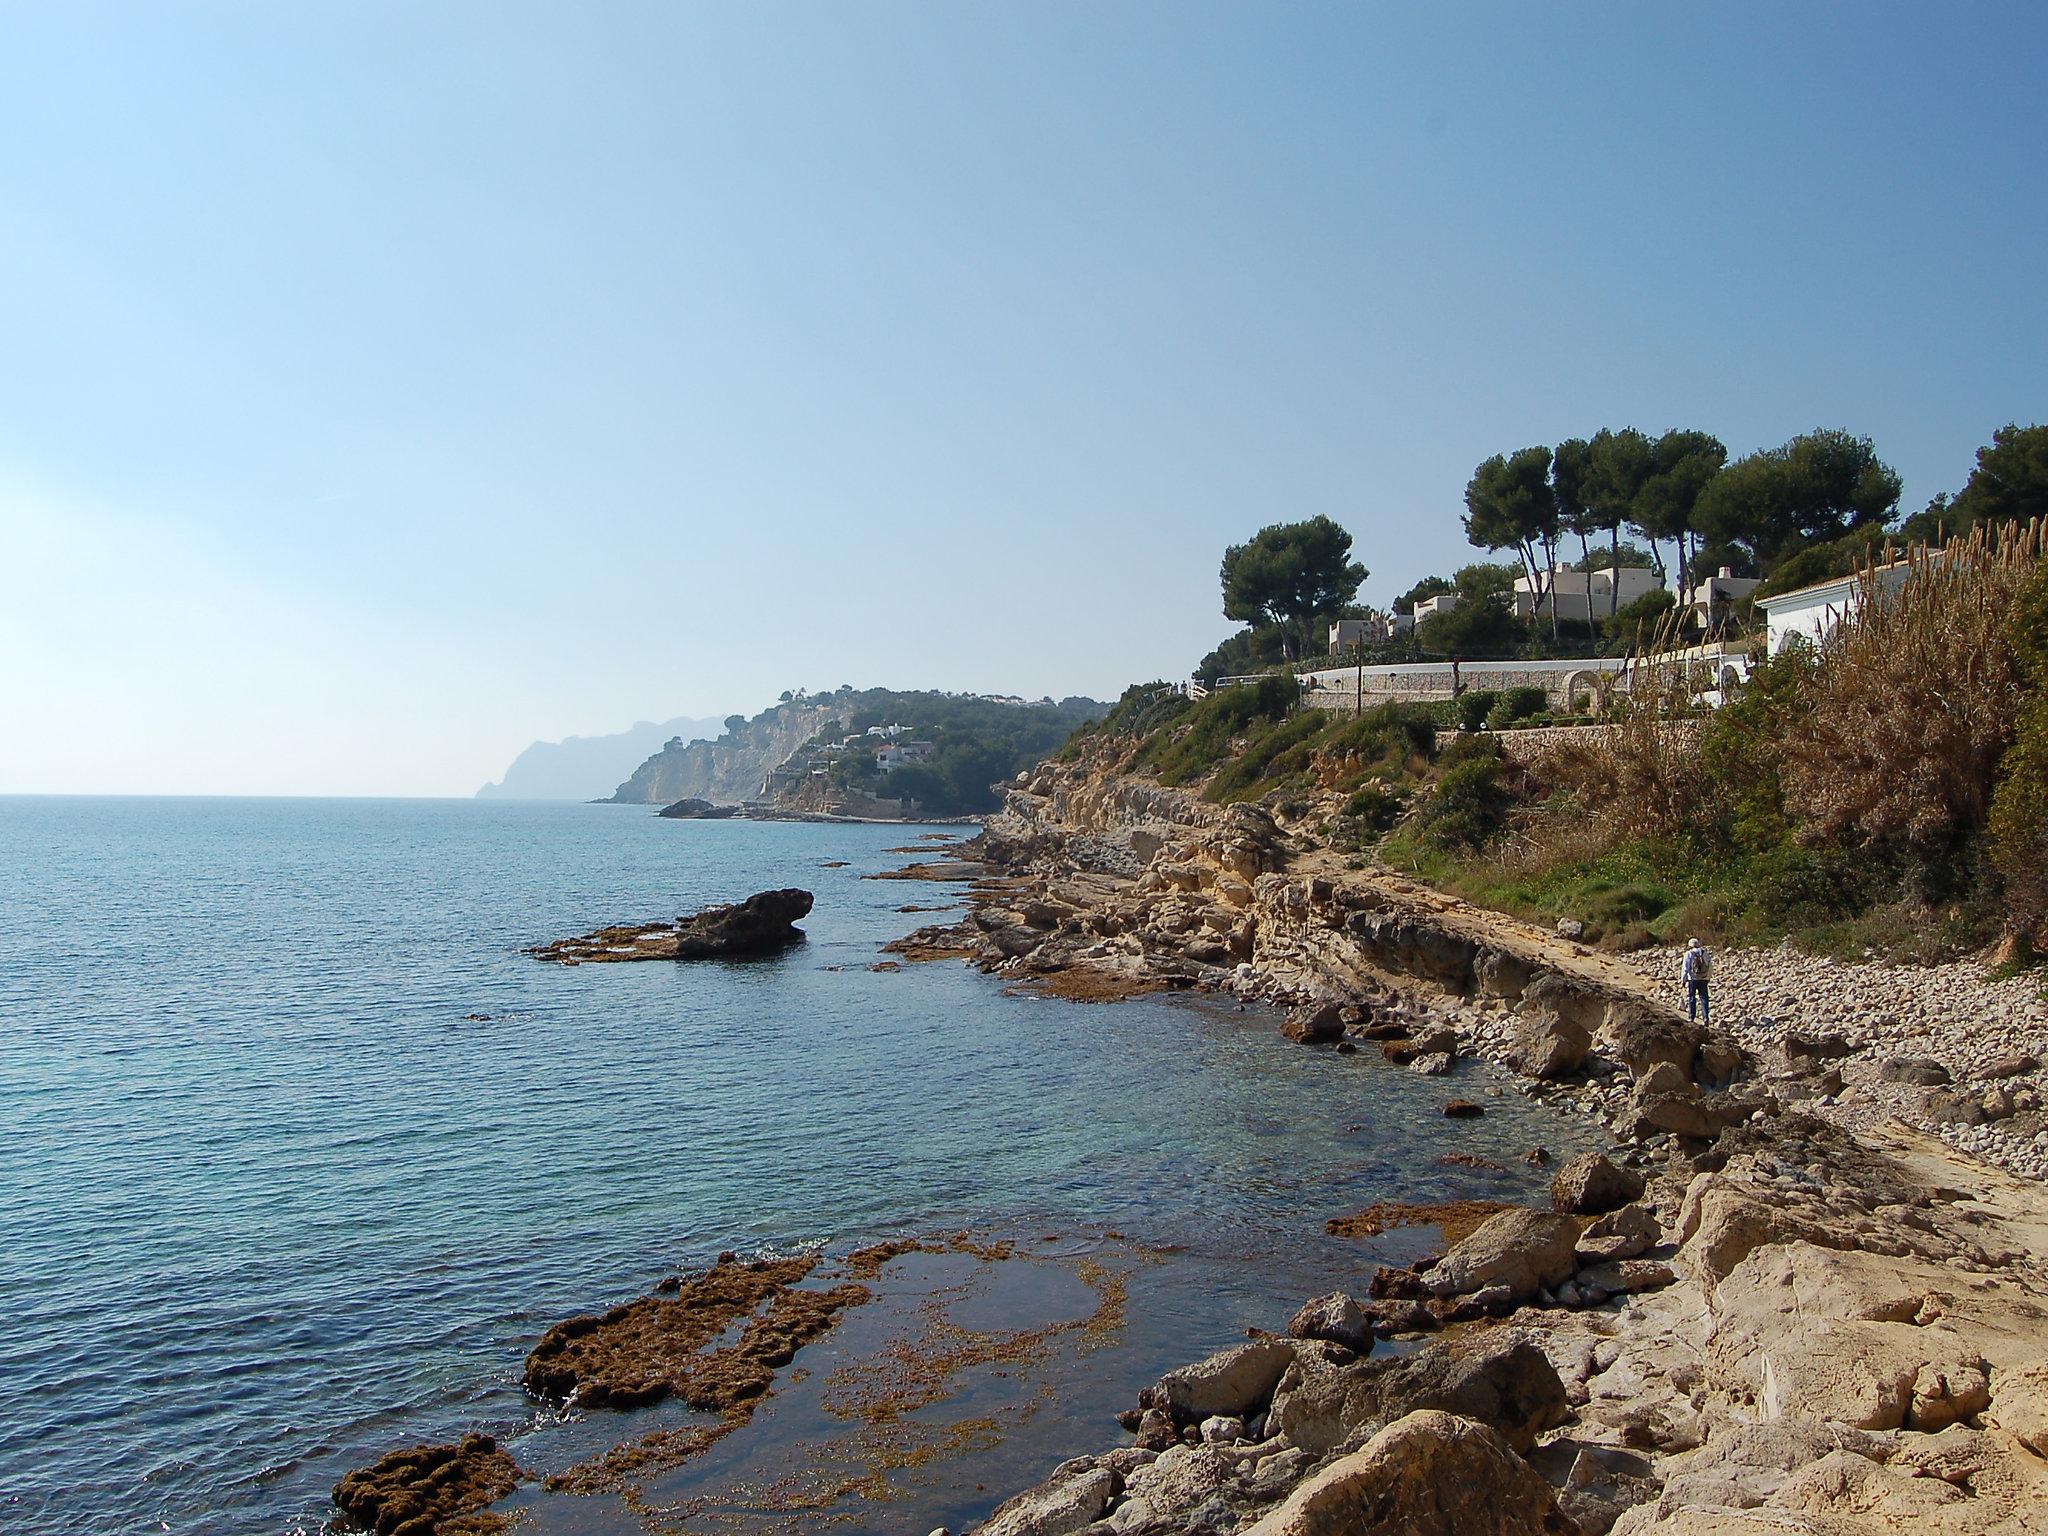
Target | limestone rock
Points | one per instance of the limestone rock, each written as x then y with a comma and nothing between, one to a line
1722,1223
1315,1025
2019,1404
1589,1184
1639,1037
1548,1045
1235,1381
1526,1251
1621,1234
1075,1496
1919,1071
1500,1379
1337,1318
1190,1488
1428,1474
1431,1064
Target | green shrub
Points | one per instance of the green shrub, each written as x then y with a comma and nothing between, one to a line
1468,805
1515,704
1268,756
1198,738
1470,708
1622,905
1374,806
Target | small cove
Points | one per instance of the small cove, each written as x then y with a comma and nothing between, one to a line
304,1153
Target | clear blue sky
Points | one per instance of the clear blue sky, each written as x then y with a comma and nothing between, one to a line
383,386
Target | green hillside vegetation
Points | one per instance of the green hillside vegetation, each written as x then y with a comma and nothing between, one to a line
977,743
1886,793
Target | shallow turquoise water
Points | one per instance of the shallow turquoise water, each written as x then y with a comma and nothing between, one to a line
271,1204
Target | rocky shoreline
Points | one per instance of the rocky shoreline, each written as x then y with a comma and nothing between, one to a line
1773,1305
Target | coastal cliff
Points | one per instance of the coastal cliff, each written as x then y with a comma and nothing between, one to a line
1774,1305
734,767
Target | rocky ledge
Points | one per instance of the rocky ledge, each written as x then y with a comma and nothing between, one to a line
761,924
1749,1315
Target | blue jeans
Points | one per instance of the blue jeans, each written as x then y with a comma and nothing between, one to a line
1696,1001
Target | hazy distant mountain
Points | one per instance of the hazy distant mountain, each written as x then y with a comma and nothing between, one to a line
590,767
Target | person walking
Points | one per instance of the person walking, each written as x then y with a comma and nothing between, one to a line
1694,970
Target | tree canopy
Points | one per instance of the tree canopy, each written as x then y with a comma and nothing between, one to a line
2008,484
1818,486
1680,467
1509,504
1291,575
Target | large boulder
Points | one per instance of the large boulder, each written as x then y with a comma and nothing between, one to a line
1640,1036
1234,1382
1337,1318
762,922
1549,1045
1723,1222
1589,1184
1190,1490
1525,1251
1501,1379
1428,1474
1315,1024
1621,1234
1074,1496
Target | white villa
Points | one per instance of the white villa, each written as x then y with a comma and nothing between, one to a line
1430,607
1373,629
1581,595
1813,613
1714,599
901,754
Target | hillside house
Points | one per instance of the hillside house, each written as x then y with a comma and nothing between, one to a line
1712,602
1582,596
1430,607
901,754
1373,629
1813,613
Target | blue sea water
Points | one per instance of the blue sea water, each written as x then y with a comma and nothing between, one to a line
299,1152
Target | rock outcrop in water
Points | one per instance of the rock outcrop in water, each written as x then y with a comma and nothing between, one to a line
431,1490
761,924
697,810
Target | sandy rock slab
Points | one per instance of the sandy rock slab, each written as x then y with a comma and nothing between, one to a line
1428,1474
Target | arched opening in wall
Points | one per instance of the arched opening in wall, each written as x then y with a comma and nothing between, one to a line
1585,690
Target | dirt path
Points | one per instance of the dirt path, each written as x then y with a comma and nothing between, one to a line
1526,941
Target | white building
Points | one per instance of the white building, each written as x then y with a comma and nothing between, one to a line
1713,600
1814,613
1373,629
1430,607
1582,595
903,753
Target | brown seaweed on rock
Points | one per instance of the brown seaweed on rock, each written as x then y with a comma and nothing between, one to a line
645,1350
431,1490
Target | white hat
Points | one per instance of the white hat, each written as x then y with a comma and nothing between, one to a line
1692,943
